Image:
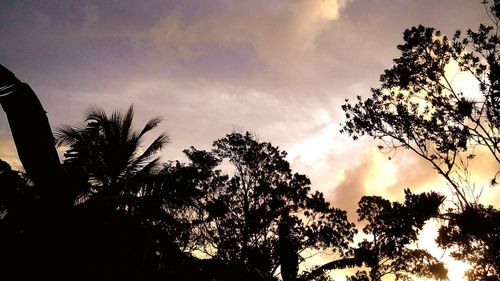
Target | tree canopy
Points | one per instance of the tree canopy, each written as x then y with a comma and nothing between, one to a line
257,212
417,107
108,150
392,227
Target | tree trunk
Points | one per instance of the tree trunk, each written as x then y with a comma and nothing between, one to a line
32,135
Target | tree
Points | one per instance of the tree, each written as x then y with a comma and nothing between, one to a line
109,151
121,217
418,108
18,203
387,248
260,214
32,236
391,228
34,140
474,234
14,193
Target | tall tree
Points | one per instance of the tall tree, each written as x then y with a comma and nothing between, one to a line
32,235
260,214
418,108
119,218
386,249
33,138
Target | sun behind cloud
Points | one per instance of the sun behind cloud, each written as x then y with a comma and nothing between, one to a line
330,8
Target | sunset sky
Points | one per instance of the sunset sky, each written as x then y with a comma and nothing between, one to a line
278,68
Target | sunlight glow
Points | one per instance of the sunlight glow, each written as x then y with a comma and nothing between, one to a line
381,175
314,149
462,81
427,237
329,9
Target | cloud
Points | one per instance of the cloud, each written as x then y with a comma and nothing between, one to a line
481,170
276,32
351,186
418,174
263,46
375,174
276,37
200,111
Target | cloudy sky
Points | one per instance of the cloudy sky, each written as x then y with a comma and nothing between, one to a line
278,68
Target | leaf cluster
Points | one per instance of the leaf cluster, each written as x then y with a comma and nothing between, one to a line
392,227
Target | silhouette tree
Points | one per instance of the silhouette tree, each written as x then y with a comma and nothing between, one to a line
474,234
119,219
390,230
14,189
17,201
33,235
418,108
260,214
119,201
391,227
109,151
33,138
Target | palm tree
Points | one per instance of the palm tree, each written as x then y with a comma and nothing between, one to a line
106,159
109,151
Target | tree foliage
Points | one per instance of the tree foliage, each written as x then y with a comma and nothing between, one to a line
257,212
391,228
122,215
109,151
418,107
474,236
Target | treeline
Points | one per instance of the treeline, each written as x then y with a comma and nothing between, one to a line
130,216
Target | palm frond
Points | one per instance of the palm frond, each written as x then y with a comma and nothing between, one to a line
69,135
96,113
157,145
126,123
336,264
108,147
146,170
115,117
152,123
138,178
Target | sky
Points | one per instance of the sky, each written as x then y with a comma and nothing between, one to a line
278,68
